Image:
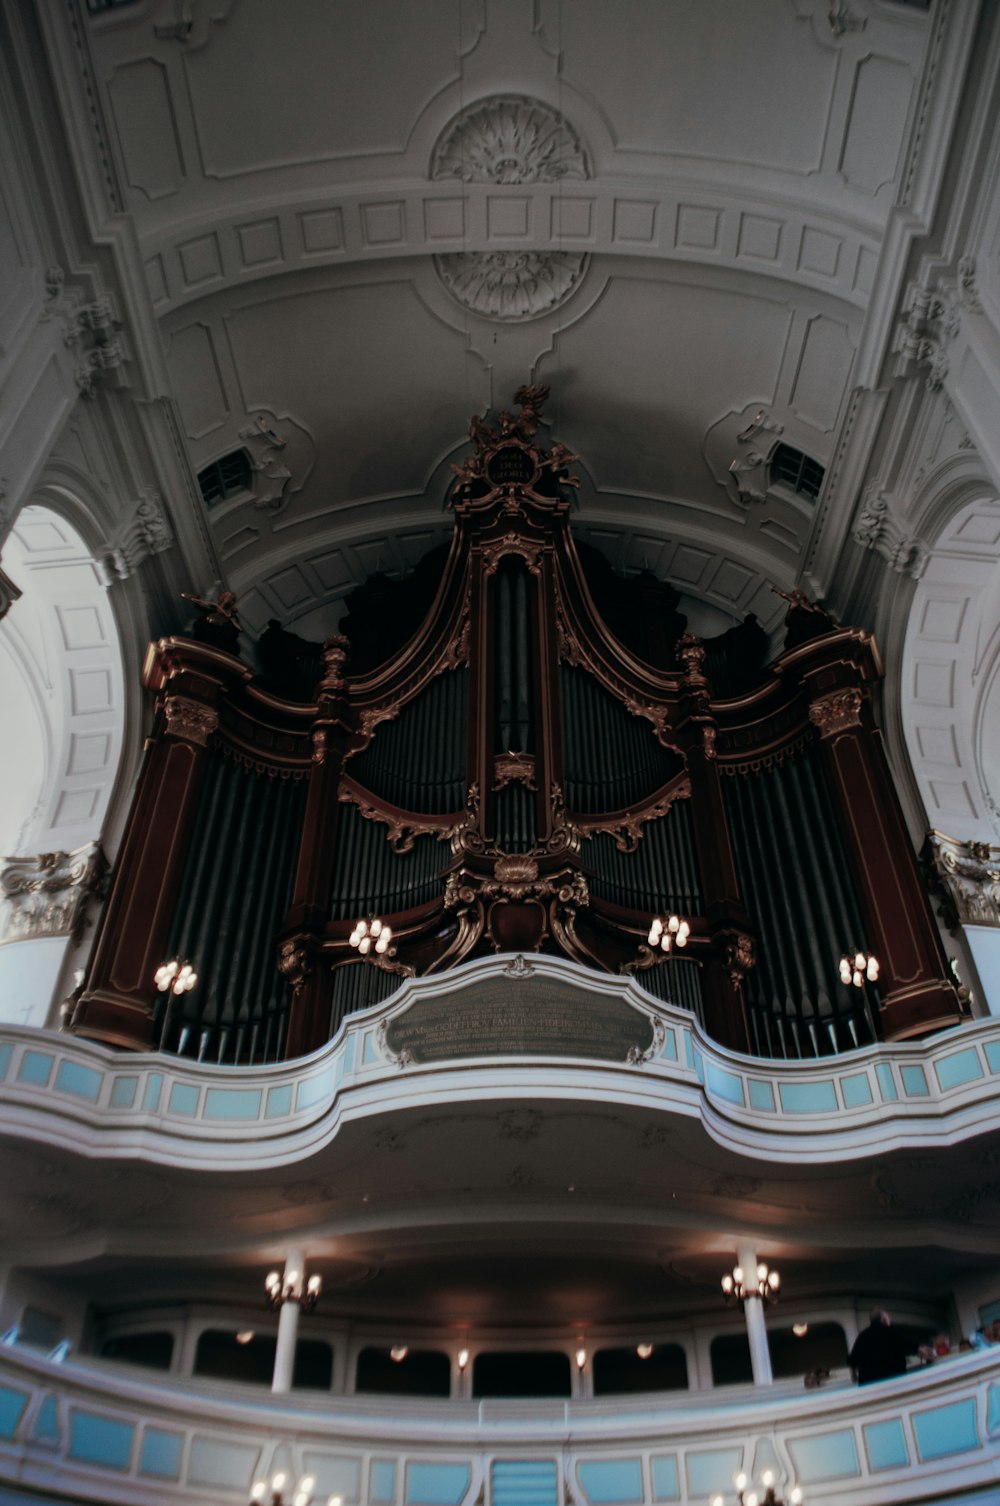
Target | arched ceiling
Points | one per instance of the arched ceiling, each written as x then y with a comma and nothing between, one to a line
361,224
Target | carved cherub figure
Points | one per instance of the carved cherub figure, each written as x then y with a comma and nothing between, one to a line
219,623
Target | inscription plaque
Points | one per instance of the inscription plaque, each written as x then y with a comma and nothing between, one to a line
511,463
520,1017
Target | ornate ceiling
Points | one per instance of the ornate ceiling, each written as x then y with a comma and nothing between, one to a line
683,218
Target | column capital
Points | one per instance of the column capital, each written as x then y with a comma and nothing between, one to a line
188,719
838,711
965,877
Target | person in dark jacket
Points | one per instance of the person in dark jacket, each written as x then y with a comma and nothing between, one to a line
879,1352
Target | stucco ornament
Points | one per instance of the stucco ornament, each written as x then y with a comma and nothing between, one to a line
511,285
509,138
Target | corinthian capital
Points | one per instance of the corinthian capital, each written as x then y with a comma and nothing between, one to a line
837,712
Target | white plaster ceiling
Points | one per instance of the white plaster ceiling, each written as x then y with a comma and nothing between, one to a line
730,168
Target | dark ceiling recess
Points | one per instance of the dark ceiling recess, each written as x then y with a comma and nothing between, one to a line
226,477
792,468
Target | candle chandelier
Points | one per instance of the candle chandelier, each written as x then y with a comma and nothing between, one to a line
668,931
371,936
737,1286
766,1496
279,1492
858,969
292,1288
175,977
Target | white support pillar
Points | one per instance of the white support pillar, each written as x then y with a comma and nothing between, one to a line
288,1324
753,1311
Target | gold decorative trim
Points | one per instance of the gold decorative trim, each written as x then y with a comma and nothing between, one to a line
837,712
190,720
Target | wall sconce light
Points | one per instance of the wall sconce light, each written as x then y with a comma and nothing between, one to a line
862,968
581,1358
371,936
290,1288
463,1359
668,932
398,1352
644,1351
175,977
737,1288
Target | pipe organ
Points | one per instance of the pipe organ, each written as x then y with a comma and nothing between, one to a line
514,750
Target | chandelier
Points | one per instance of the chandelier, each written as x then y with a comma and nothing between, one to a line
371,936
272,1492
668,932
766,1496
175,977
736,1287
858,969
289,1288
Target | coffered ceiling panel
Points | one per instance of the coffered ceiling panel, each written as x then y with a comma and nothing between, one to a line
677,88
321,91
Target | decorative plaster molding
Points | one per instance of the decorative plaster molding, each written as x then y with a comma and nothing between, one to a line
282,453
965,876
929,323
509,138
47,894
968,288
145,531
877,528
193,21
93,331
511,285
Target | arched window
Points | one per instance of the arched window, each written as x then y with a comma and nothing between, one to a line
226,477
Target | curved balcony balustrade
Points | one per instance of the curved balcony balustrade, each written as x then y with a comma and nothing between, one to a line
73,1431
502,1028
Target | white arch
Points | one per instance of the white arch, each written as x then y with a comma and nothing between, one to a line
62,683
950,669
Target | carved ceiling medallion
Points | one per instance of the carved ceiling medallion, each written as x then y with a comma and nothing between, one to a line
511,285
509,138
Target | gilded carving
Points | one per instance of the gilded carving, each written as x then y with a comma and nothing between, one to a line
965,876
565,836
190,720
47,894
691,652
294,963
335,652
739,958
402,830
320,743
627,829
510,766
511,543
372,715
837,712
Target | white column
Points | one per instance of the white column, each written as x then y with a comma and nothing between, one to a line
753,1311
288,1325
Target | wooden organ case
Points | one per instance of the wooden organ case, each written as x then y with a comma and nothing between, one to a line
547,761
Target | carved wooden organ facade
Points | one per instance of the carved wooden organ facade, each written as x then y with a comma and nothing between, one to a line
513,751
